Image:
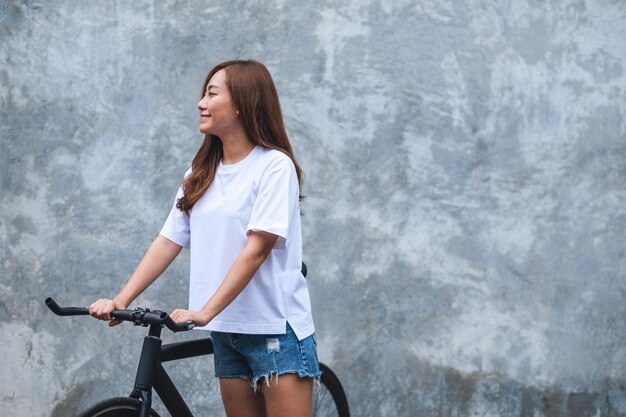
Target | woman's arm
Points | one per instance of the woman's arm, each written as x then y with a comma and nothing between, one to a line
159,255
258,247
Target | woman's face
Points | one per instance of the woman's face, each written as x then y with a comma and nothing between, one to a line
217,113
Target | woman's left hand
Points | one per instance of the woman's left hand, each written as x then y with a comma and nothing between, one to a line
181,316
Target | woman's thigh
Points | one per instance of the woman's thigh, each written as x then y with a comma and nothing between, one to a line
291,397
240,399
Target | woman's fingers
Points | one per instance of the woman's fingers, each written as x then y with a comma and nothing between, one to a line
94,307
180,316
175,315
108,308
102,309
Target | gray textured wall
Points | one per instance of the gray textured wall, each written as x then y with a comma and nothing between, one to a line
465,224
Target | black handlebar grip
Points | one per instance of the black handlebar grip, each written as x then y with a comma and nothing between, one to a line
66,311
123,315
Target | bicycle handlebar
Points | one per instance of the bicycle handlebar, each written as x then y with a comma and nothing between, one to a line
139,316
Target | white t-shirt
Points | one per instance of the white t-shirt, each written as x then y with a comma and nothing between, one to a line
260,192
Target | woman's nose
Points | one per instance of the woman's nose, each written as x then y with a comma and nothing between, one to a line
202,104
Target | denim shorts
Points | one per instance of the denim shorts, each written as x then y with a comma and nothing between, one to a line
255,356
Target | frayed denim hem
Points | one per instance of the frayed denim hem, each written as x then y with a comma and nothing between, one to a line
254,382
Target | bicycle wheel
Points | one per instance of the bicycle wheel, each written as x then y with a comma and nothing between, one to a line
117,407
329,399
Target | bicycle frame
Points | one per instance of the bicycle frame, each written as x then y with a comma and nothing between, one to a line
151,374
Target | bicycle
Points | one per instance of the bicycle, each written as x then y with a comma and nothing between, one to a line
329,398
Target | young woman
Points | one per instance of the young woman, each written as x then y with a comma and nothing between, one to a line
238,211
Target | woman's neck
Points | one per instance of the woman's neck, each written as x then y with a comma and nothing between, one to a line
236,147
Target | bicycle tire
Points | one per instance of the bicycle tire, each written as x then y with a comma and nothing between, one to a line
329,399
117,407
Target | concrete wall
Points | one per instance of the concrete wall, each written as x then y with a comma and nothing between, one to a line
465,225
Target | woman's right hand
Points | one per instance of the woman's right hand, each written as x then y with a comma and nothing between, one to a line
102,308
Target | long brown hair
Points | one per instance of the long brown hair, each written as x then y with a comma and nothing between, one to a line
254,96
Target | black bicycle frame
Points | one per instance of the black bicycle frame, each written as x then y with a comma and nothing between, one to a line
151,374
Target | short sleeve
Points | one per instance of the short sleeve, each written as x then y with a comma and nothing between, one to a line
277,195
176,227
